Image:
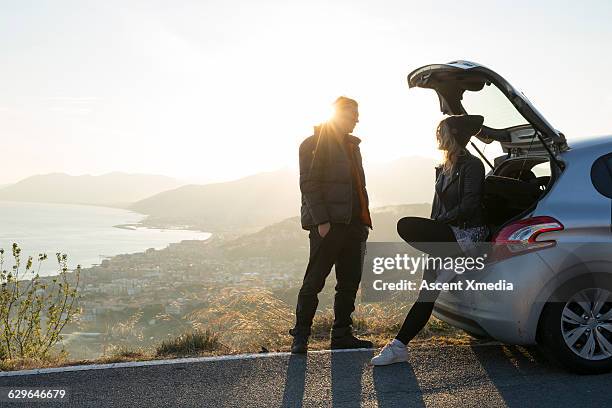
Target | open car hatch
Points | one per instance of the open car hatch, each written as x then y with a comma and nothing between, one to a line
465,87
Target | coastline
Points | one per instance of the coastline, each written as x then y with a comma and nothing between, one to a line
88,234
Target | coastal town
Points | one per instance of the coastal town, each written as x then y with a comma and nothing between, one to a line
147,296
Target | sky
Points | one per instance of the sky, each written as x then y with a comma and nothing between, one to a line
215,90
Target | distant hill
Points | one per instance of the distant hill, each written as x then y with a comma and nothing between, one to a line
112,189
255,201
385,220
285,240
247,203
402,181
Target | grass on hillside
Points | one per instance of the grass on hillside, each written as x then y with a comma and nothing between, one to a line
195,342
378,323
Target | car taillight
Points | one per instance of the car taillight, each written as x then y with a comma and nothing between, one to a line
520,237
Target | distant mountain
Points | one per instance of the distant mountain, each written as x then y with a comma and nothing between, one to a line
112,189
255,201
247,203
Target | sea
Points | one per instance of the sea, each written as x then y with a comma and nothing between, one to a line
87,234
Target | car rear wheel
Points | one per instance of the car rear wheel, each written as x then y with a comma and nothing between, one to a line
576,329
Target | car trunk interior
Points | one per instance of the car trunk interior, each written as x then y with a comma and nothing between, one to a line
513,188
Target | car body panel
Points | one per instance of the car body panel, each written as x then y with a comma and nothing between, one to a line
574,190
503,315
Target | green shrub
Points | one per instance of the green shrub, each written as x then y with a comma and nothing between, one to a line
34,310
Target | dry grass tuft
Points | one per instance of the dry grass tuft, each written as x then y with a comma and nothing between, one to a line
189,344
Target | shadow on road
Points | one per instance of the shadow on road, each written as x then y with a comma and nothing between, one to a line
295,380
347,371
507,366
394,390
351,377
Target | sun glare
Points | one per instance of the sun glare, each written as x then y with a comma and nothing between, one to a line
321,113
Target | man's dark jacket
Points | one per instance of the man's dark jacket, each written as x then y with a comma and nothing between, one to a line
326,178
458,198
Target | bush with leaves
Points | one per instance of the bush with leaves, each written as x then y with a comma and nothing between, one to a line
34,309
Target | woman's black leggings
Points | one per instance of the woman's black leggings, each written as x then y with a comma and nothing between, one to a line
436,239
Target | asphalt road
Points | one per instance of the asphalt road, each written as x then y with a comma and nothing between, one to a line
479,376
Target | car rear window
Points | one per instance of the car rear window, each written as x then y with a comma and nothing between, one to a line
490,102
601,175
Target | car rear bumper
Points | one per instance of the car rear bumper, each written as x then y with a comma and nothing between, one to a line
510,316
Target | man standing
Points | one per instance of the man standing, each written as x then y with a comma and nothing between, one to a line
335,211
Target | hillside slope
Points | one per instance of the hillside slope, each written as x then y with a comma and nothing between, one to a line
246,203
262,199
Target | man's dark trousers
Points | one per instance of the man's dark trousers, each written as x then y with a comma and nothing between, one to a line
344,247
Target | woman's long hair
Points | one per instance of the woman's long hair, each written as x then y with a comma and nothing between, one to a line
449,145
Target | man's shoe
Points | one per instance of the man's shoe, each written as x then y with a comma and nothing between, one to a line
300,343
390,354
350,342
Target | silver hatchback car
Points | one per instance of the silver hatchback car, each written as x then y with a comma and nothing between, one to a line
549,205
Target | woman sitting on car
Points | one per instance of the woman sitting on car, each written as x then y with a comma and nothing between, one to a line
456,223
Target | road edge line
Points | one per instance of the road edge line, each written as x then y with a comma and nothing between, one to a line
146,363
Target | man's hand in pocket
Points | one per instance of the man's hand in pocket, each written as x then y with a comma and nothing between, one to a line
324,229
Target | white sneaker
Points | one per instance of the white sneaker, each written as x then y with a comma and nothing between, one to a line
390,354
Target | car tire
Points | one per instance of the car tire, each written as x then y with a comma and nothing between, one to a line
551,330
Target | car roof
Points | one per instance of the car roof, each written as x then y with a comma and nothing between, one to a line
594,146
591,142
